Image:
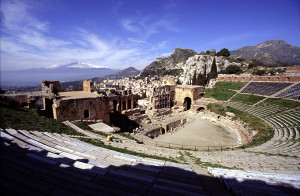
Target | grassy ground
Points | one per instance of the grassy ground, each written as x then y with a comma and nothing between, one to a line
247,99
265,131
129,137
282,103
84,126
207,164
223,90
21,118
101,144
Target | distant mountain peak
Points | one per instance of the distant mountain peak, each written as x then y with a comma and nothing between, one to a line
272,43
271,52
79,65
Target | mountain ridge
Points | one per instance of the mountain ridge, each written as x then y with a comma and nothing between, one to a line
67,72
270,52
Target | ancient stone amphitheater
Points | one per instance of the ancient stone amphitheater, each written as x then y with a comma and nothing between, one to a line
41,163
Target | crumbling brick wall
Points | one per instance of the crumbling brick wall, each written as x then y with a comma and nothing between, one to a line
82,109
51,86
182,91
248,78
87,86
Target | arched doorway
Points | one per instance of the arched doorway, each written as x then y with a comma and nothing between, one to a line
128,104
115,103
200,109
187,103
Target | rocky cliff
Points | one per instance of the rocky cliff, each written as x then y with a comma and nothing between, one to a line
199,69
172,64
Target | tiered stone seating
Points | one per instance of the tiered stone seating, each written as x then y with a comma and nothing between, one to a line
257,183
263,110
260,110
265,88
237,105
286,135
291,93
39,163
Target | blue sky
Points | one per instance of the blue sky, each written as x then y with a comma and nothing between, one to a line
123,33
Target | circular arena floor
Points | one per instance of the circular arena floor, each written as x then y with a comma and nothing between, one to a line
200,132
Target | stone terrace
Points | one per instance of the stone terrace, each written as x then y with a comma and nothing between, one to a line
286,124
38,163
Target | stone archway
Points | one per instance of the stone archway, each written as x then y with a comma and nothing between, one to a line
187,103
200,109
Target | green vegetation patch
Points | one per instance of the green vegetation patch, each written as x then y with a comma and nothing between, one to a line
21,118
124,150
217,108
223,90
83,126
207,164
265,131
247,99
282,103
181,157
129,137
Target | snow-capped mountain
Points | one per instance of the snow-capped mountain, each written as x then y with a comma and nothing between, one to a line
77,65
67,72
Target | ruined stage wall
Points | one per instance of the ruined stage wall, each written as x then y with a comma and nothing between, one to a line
181,92
82,109
51,86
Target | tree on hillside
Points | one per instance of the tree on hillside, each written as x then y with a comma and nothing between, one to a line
201,79
213,72
256,63
223,52
194,78
260,72
233,69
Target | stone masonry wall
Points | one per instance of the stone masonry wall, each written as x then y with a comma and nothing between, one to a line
82,109
248,78
181,92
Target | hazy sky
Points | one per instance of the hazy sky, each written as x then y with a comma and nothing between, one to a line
122,33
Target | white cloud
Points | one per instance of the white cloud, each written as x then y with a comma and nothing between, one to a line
130,25
27,42
146,26
17,17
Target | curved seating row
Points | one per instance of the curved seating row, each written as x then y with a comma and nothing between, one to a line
38,163
257,183
285,124
265,88
291,93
